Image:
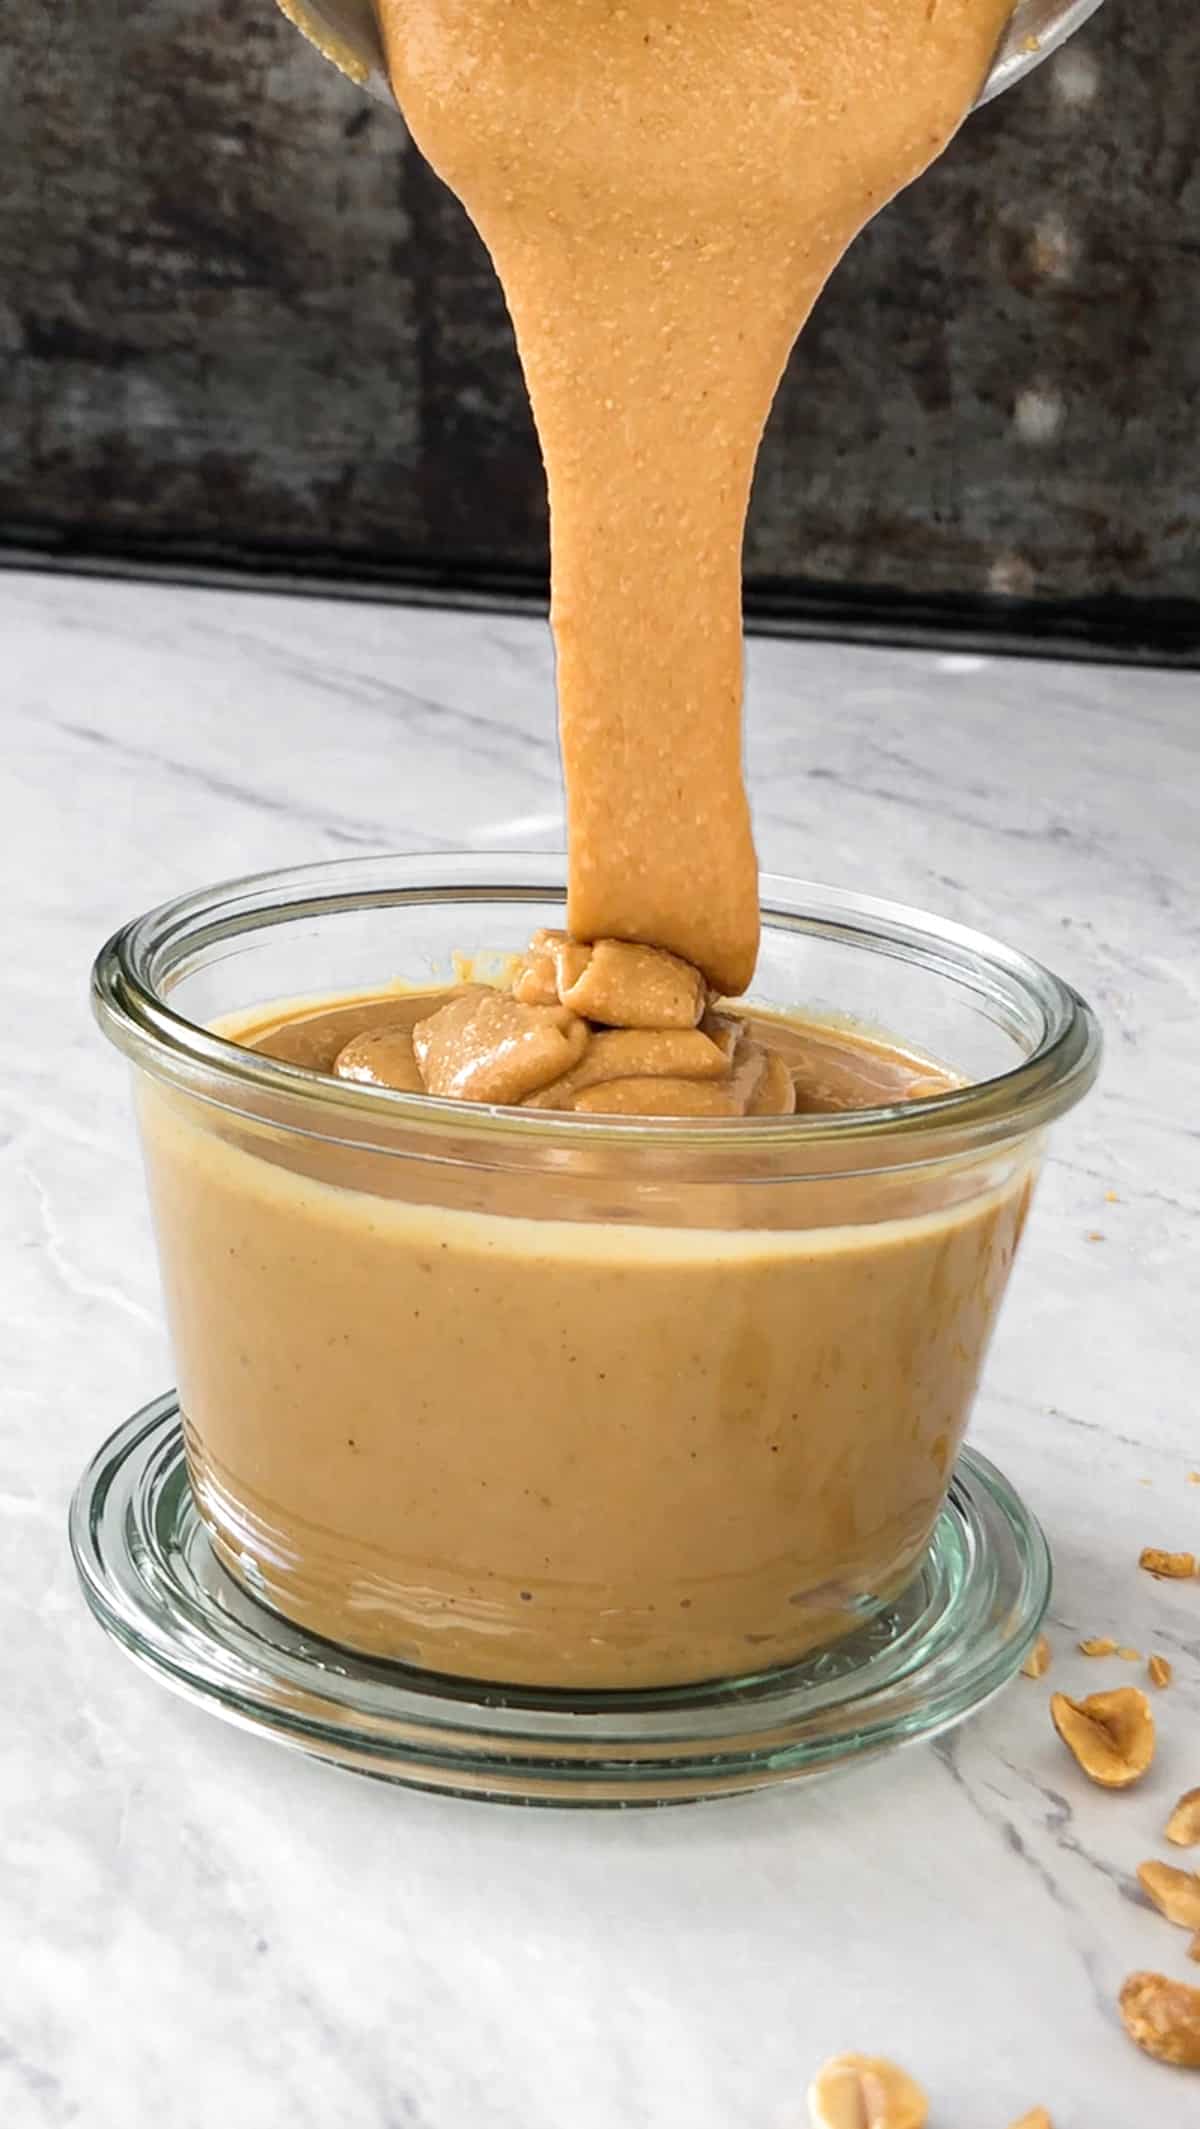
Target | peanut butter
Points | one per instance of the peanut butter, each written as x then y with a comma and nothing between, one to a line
605,1030
596,1423
569,1432
664,186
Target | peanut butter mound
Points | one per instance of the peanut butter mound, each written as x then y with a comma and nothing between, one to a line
610,1029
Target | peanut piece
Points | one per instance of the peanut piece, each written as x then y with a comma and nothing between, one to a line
865,2092
1183,1826
1037,1662
1037,2118
1194,1946
1129,1655
1110,1734
1175,1893
1163,2018
1167,1566
1098,1645
1159,1670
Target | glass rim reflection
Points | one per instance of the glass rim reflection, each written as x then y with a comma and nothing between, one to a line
134,972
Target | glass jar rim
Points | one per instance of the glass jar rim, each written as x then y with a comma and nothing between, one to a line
133,1010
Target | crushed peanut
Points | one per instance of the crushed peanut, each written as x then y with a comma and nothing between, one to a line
1160,1670
1183,1826
1037,1662
1037,2118
865,2092
1110,1734
1163,2017
1168,1566
1129,1655
1175,1893
1098,1645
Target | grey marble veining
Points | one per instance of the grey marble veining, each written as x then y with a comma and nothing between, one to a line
198,1927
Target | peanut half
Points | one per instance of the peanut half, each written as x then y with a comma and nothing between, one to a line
1098,1645
1163,2017
1183,1826
865,2092
1110,1734
1175,1893
1159,1670
1168,1566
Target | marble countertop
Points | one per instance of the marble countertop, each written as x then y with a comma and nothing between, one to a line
198,1927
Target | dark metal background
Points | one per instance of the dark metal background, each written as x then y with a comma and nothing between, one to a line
242,327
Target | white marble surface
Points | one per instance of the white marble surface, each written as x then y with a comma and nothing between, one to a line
196,1926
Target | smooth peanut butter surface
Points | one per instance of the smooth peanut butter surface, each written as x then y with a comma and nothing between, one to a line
664,186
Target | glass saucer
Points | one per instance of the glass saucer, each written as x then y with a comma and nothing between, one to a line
954,1636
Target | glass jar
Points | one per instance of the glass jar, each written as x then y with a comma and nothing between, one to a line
577,1403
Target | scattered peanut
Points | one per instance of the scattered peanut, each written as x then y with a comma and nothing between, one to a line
1110,1734
1037,1662
1129,1655
1160,1670
1037,2118
1163,2017
1167,1566
1183,1826
1194,1946
1175,1893
1098,1645
865,2092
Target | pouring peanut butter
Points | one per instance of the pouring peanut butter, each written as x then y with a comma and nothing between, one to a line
664,186
562,1418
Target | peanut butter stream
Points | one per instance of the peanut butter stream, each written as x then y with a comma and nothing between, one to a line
664,186
537,1419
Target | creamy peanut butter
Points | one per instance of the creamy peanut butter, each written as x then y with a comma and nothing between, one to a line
576,1432
607,1030
664,186
589,1419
